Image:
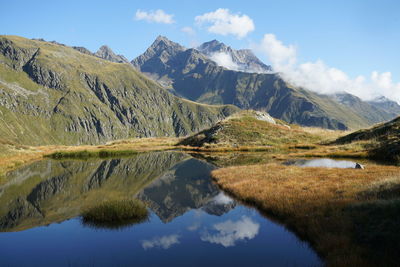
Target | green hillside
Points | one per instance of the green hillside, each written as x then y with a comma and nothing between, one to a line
250,129
53,94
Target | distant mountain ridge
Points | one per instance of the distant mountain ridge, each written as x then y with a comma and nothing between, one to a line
104,52
386,104
191,74
375,111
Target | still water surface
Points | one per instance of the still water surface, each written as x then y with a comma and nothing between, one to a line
192,222
323,162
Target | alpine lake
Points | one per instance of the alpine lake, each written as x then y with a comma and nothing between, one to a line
191,221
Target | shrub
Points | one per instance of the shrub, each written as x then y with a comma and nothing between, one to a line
116,214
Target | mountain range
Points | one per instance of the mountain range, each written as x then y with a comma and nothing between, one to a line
51,93
193,74
55,94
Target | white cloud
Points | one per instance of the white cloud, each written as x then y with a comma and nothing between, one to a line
319,77
221,21
157,16
229,232
222,199
224,60
164,242
193,227
189,30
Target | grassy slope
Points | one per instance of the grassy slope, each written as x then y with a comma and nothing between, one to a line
382,140
245,130
79,98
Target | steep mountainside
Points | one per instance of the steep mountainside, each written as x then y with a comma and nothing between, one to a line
243,59
53,94
192,75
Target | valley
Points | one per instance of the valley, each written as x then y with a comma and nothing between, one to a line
220,160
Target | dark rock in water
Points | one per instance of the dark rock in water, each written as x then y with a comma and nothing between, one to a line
359,166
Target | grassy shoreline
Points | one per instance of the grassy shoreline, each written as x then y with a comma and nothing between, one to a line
13,156
326,206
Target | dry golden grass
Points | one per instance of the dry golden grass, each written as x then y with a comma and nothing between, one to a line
325,134
311,201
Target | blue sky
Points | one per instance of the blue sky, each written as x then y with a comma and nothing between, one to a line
356,37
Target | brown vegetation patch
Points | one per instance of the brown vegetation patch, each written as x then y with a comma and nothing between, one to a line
316,203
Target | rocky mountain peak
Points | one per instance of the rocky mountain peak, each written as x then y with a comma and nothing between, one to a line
213,46
162,48
106,53
239,60
163,42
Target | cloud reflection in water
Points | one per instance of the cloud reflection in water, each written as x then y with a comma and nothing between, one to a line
164,242
229,232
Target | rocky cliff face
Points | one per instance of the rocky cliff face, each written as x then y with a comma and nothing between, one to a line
192,74
53,94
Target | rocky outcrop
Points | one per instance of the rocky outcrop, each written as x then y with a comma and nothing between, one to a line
18,56
83,50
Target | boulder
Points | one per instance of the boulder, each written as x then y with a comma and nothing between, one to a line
359,166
